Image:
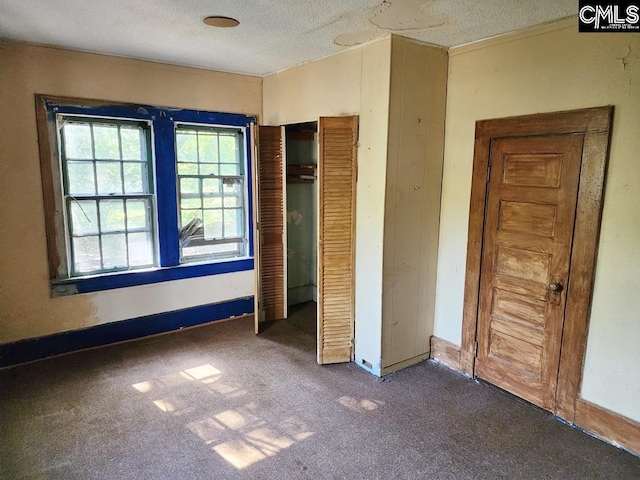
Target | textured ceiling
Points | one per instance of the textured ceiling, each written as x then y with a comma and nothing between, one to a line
272,35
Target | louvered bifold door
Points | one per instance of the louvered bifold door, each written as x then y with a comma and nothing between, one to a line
337,137
270,226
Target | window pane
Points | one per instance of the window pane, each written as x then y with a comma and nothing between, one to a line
132,139
84,218
187,146
211,186
86,254
114,250
232,201
109,178
233,223
212,224
137,214
209,169
229,169
134,173
232,186
212,202
112,215
77,141
228,149
190,203
140,249
105,139
189,185
187,215
211,193
187,169
81,178
208,147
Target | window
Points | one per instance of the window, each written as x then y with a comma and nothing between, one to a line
139,194
211,192
108,194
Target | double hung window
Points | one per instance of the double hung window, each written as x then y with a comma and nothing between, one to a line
108,193
140,194
211,185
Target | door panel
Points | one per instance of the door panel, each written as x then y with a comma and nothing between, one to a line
337,137
530,213
271,302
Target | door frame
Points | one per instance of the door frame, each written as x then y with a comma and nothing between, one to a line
595,125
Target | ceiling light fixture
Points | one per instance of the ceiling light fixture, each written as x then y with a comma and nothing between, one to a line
223,22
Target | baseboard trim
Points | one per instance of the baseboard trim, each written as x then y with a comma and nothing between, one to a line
602,423
32,349
608,426
404,364
446,352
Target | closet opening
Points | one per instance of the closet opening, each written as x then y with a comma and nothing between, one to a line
305,179
301,147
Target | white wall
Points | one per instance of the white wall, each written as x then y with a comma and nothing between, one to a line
26,309
355,82
554,68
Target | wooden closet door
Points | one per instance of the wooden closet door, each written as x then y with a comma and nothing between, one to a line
337,138
270,233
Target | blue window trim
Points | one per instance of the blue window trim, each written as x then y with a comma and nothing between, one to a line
163,127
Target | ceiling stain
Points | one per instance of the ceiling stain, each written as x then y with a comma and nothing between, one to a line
357,38
393,16
409,15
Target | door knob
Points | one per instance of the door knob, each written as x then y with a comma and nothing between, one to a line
555,287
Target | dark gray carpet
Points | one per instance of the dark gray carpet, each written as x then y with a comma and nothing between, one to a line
218,402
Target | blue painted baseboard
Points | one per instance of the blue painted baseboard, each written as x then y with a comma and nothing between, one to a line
37,348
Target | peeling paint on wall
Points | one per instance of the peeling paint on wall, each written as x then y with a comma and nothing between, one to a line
624,61
631,56
629,62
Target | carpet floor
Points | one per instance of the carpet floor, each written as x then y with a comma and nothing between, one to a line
218,402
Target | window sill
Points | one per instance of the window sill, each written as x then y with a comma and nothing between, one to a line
98,283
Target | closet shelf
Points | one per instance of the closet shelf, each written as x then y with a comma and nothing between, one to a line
301,173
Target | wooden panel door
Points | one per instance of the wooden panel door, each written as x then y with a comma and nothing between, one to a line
529,223
270,234
337,138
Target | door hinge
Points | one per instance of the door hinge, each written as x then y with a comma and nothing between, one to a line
488,172
475,349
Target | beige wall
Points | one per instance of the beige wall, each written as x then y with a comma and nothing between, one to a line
549,69
325,87
355,82
26,309
414,173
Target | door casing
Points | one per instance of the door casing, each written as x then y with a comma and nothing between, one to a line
595,125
